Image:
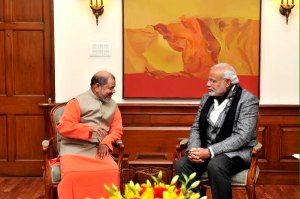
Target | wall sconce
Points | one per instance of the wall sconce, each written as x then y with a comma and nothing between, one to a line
97,8
286,8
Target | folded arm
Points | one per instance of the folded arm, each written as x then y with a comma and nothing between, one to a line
115,131
194,138
69,125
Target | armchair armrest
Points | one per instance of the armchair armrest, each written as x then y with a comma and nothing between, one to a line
254,163
47,147
47,152
184,142
256,149
118,144
181,146
45,144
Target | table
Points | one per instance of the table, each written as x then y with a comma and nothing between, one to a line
144,165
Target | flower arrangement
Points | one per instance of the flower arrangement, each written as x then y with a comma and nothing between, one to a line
157,190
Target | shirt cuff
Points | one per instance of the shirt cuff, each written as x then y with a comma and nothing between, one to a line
211,152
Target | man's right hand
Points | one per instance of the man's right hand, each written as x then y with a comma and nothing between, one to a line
103,151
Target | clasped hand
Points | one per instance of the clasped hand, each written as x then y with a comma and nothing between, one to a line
103,149
198,155
99,130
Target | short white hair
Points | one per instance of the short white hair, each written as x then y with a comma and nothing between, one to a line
229,72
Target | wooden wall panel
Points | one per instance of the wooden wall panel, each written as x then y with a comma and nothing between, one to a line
289,142
153,139
156,128
282,124
3,138
2,63
28,134
157,115
1,10
24,10
157,119
28,56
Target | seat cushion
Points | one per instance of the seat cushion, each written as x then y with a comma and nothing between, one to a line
238,179
55,174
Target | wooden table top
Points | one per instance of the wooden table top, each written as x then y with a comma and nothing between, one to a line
151,158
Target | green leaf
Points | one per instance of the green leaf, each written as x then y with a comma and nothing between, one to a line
185,178
183,188
154,179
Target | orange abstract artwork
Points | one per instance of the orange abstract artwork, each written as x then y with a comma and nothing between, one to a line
169,46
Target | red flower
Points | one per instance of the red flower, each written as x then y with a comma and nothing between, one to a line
178,191
158,192
142,190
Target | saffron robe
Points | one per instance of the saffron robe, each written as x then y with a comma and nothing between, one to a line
83,172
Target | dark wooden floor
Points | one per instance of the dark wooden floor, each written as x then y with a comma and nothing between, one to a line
33,188
19,188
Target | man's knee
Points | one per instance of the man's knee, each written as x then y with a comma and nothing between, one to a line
178,166
214,166
181,166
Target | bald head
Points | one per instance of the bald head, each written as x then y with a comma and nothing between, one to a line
101,78
227,71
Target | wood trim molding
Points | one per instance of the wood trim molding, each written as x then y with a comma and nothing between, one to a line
156,127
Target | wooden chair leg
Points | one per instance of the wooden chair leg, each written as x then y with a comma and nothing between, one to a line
47,191
251,191
50,192
203,190
54,193
208,193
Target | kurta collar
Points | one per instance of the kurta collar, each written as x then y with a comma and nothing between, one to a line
93,95
97,98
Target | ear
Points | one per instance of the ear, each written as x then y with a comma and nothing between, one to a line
96,87
227,83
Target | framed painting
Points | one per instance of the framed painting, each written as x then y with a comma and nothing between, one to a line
169,46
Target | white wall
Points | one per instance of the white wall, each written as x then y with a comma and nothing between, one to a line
75,28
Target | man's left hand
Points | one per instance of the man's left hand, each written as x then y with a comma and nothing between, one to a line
103,151
205,153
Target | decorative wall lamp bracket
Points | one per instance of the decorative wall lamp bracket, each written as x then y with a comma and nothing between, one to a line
285,9
97,8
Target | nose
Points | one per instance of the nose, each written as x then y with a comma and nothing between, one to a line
208,83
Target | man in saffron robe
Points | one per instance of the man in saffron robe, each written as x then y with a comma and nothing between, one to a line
91,122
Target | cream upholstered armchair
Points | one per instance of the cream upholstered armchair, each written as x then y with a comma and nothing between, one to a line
50,148
244,179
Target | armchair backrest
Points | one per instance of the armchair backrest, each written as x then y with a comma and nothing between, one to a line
55,115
